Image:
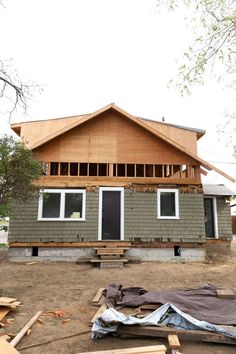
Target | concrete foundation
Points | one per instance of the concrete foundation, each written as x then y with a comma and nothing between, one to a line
24,254
167,254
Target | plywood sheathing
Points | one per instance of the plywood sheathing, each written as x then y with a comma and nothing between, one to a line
83,119
111,138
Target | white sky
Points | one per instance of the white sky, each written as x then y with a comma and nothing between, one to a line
88,53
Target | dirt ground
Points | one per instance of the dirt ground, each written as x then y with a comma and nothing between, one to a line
70,287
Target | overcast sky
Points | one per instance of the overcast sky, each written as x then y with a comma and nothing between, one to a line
88,53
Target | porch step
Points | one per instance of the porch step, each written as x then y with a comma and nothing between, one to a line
110,257
111,260
110,251
117,265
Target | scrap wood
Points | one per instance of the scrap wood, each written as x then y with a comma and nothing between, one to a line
7,348
225,293
126,331
4,336
31,263
173,341
11,305
159,349
98,296
10,320
7,299
3,312
98,313
66,320
149,307
57,313
24,330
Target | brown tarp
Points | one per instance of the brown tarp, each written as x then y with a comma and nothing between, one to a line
201,303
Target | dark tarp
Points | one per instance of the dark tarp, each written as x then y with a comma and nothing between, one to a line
201,303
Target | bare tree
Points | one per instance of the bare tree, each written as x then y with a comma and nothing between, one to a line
212,52
12,88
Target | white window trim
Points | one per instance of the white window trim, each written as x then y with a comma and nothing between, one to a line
214,215
176,191
115,189
62,204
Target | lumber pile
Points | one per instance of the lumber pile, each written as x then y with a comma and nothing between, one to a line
171,334
6,305
158,349
108,257
125,331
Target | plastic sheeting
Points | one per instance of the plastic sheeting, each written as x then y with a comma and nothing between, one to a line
110,320
201,303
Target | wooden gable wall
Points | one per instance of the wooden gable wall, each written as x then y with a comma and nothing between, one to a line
184,137
32,132
110,138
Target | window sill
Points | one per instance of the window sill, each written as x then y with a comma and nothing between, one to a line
168,217
58,219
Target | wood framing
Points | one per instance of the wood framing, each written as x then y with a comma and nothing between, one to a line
111,179
78,121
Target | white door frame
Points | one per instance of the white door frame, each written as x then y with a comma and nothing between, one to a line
115,189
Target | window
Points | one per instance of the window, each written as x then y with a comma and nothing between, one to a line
54,168
74,169
64,169
167,204
62,205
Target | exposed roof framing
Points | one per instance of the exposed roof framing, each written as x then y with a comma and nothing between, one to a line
139,122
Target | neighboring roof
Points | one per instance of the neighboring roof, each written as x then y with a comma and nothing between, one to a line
217,189
139,122
200,132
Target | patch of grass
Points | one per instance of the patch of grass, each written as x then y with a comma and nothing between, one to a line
3,245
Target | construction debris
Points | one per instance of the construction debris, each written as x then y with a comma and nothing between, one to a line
7,348
163,332
66,320
225,293
99,295
158,349
143,322
25,329
6,305
201,303
98,313
173,341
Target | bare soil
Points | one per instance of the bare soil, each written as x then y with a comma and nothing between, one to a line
70,288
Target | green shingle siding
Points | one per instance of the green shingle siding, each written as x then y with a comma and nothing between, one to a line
141,218
140,221
224,219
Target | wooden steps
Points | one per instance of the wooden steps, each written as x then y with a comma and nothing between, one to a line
110,257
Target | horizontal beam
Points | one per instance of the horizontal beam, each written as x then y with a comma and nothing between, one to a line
70,244
163,332
150,244
62,181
